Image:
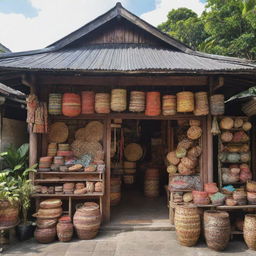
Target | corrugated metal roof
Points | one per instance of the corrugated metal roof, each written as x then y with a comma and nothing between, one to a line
121,57
8,91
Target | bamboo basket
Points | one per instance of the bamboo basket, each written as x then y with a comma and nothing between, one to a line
118,100
201,104
137,101
153,105
169,105
185,102
217,104
102,103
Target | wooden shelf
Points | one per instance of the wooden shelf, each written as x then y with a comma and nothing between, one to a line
64,180
180,190
69,195
125,115
64,173
236,207
178,174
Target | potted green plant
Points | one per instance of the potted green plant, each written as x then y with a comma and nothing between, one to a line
17,171
9,200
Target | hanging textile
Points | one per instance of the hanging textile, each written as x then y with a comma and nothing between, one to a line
37,114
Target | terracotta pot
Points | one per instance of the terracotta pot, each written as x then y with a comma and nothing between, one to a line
45,235
217,229
250,231
8,213
87,220
65,229
187,224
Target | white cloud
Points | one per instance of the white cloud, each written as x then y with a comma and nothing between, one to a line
56,19
159,15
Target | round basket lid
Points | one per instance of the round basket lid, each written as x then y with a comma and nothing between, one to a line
80,148
58,132
94,131
133,152
80,134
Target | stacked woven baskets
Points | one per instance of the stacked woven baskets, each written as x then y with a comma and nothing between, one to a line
102,103
153,105
151,182
201,104
118,100
137,101
50,210
88,101
185,102
169,105
55,103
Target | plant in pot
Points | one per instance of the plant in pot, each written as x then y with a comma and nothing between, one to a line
16,163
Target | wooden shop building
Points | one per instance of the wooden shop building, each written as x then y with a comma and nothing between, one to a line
118,50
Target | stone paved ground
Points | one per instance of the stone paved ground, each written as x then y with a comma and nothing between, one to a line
132,243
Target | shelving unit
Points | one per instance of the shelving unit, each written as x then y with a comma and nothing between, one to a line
223,164
39,178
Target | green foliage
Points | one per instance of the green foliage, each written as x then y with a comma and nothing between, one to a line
15,185
226,27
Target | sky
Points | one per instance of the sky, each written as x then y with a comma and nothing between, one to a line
34,24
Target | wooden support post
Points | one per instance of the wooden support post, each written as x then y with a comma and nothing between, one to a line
32,147
107,148
209,134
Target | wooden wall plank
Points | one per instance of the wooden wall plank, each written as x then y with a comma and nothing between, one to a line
125,80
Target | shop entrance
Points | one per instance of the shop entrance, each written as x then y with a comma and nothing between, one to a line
138,152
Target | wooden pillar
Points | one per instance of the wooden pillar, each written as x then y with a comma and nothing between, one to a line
32,147
209,137
107,148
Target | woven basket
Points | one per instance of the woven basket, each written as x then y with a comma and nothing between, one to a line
102,103
227,123
217,104
58,132
194,132
185,102
169,105
118,100
94,131
201,104
153,105
249,108
88,101
137,101
80,148
71,104
133,152
55,100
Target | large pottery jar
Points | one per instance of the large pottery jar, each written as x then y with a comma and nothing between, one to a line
8,213
187,224
216,229
87,220
65,229
250,231
45,235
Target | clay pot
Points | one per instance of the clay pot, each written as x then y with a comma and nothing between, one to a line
45,235
87,220
250,231
217,229
65,229
187,224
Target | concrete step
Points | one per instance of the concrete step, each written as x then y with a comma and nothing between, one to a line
139,225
